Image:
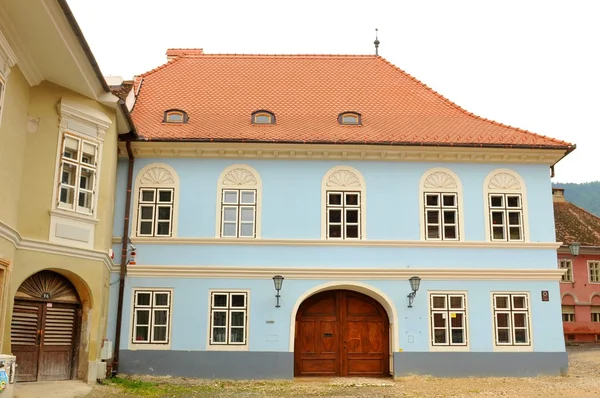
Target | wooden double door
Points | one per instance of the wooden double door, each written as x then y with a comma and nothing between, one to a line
43,336
341,333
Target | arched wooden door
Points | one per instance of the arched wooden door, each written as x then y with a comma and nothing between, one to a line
44,327
341,333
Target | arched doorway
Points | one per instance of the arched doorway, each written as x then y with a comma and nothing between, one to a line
341,333
45,323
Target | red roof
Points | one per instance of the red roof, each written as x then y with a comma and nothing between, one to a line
306,93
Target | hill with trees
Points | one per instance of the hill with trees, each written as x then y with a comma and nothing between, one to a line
585,195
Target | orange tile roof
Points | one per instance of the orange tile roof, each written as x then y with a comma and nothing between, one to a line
307,93
574,224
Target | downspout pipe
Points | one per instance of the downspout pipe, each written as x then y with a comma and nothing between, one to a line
124,249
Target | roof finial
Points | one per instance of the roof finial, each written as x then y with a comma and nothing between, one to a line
376,42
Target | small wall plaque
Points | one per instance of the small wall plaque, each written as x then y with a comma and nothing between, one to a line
545,295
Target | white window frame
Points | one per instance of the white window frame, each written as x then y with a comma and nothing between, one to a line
448,346
440,180
343,179
157,176
238,206
8,59
566,263
505,182
78,164
512,346
240,177
2,91
344,208
570,316
151,343
595,313
595,278
154,204
212,309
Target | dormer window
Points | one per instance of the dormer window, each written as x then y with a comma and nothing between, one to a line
175,116
263,117
349,118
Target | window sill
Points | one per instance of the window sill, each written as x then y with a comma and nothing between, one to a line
226,347
513,348
74,216
440,348
153,347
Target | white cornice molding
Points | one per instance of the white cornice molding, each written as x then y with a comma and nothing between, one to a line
24,59
11,57
175,271
150,149
333,242
11,234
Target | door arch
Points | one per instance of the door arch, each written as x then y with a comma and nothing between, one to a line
341,333
44,328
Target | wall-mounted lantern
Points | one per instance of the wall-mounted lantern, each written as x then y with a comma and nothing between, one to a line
574,248
415,282
278,280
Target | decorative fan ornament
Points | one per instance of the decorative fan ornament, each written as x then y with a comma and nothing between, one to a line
504,181
440,180
48,285
157,176
343,179
239,176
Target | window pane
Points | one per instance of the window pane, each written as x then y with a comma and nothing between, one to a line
498,217
351,199
514,218
439,336
160,333
456,302
86,179
519,302
335,215
432,200
146,227
89,153
458,336
521,336
503,336
352,231
501,301
68,174
450,200
147,212
247,230
433,232
160,317
237,318
219,335
450,217
237,335
439,321
433,216
219,300
247,214
513,201
247,197
238,300
439,302
163,228
142,317
85,200
230,214
143,299
456,319
502,320
515,233
335,199
148,196
174,117
229,230
66,195
219,318
262,119
230,197
71,147
161,299
351,216
141,333
496,201
498,232
164,213
349,119
450,232
520,320
335,231
165,196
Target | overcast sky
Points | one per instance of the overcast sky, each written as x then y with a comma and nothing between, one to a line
533,64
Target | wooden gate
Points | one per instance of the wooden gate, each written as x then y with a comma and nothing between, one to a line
44,328
341,333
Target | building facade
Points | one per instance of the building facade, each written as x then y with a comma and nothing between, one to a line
579,257
346,177
58,155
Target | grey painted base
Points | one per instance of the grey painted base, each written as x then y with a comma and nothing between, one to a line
209,364
482,364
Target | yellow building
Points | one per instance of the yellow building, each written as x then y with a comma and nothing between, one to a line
59,126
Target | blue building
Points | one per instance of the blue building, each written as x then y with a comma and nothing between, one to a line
405,235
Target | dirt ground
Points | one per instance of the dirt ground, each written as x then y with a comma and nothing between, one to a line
583,380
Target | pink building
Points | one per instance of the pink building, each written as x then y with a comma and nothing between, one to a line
579,255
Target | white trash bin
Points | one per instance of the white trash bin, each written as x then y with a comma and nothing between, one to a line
8,364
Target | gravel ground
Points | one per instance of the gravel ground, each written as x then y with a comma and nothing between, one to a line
583,381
